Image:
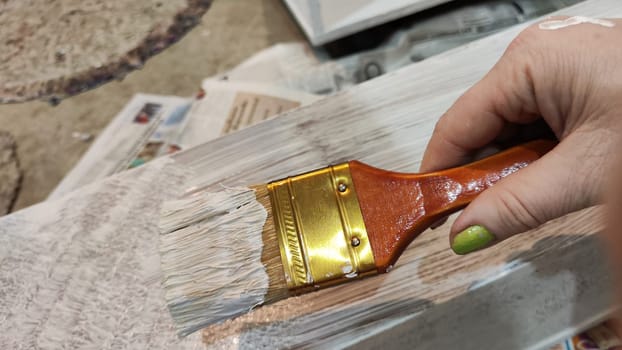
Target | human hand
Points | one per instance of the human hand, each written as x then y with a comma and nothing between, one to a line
571,79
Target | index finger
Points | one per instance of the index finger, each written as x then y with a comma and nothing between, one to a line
479,116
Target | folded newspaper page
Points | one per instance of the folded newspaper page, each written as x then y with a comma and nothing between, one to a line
222,107
291,65
600,337
144,129
152,125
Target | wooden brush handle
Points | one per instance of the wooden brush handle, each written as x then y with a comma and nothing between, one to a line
397,207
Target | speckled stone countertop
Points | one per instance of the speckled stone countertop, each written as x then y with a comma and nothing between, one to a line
54,49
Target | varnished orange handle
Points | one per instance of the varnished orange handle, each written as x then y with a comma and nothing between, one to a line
397,207
449,190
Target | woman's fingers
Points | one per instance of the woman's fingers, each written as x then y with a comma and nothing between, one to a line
544,190
504,95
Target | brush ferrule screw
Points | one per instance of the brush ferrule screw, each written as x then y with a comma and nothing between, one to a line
355,241
342,187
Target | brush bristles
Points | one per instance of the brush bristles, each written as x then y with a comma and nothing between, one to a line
220,256
271,254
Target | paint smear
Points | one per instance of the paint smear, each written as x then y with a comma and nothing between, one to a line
563,23
210,255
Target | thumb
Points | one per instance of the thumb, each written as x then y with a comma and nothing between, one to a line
544,190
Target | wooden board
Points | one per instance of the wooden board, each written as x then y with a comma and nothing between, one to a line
326,20
84,270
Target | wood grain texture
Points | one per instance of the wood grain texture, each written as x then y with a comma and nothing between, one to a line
83,271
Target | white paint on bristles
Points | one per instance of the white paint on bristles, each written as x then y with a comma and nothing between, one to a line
211,257
554,24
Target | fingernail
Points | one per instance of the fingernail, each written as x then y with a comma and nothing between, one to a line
473,238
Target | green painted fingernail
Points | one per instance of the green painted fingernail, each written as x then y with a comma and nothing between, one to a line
473,238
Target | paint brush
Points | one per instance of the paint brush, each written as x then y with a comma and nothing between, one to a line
225,252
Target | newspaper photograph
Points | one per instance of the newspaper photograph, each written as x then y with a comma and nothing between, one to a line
146,128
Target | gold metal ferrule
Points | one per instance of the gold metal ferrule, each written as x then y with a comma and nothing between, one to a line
320,228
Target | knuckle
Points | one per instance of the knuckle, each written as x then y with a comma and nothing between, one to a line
515,213
524,40
441,127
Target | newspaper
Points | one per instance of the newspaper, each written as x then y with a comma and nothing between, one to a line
293,65
600,337
144,129
222,107
152,125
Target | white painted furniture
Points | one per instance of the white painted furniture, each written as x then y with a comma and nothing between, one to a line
327,20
